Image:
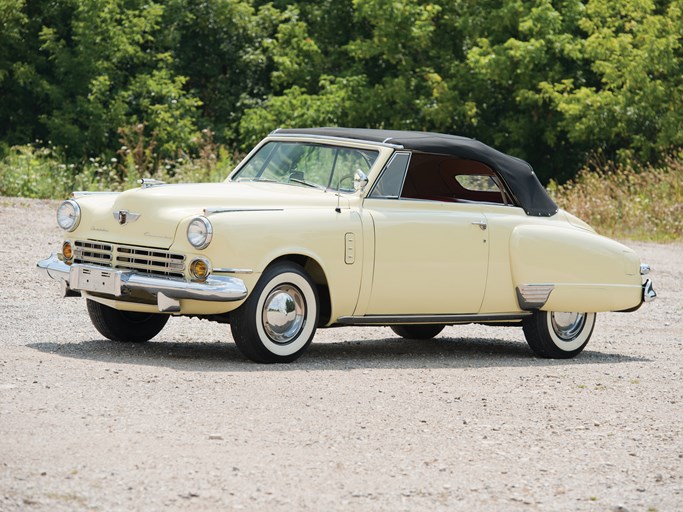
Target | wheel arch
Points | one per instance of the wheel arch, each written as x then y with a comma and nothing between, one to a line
317,274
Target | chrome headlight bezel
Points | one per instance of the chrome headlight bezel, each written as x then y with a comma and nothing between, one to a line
199,232
68,215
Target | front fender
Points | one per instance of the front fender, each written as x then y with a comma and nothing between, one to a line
251,240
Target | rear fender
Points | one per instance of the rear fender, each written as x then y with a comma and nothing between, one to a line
558,268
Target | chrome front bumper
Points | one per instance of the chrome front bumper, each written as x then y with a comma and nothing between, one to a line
122,283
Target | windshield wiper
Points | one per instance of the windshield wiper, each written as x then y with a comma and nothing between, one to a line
266,180
307,183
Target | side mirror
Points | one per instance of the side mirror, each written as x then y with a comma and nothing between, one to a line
360,179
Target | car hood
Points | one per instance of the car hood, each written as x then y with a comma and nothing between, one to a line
150,216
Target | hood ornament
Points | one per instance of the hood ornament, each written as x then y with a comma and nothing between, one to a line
149,182
124,216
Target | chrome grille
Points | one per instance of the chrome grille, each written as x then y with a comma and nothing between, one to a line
94,253
143,260
150,261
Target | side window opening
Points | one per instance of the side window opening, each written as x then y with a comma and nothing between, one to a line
450,179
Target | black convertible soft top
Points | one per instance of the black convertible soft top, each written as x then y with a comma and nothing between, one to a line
516,173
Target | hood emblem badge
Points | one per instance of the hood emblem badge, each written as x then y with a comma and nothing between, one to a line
124,216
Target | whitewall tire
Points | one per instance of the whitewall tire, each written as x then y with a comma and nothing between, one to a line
558,335
279,318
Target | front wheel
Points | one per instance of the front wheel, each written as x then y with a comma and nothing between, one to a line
278,320
125,325
417,332
558,335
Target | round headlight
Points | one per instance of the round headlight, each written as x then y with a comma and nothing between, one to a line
68,215
199,232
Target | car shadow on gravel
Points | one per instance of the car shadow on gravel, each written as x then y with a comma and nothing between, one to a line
376,353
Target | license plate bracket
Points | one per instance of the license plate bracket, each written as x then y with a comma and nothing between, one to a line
95,279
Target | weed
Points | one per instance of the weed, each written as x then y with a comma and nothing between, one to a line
42,172
628,201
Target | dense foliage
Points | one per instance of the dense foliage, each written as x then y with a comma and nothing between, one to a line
150,83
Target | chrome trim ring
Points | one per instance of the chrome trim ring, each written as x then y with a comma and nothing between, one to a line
199,232
71,246
567,325
191,268
284,314
70,220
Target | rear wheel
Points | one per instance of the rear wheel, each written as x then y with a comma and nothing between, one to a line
279,318
417,332
125,325
558,335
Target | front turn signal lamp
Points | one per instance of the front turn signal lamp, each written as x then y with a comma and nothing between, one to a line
67,252
200,269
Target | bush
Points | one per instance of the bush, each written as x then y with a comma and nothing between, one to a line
30,171
627,201
43,173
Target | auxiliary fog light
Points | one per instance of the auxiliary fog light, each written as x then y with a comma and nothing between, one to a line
200,268
67,252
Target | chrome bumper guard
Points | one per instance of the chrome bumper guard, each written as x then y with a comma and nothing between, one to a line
120,283
649,293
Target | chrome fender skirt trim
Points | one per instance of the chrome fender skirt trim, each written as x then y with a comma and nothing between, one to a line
533,296
430,319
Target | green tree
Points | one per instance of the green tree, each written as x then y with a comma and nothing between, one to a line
109,74
632,107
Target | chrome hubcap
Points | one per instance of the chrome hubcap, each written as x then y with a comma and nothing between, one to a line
284,312
568,325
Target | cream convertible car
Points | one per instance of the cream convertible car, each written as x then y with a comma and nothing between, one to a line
331,226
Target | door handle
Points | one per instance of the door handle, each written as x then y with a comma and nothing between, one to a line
481,223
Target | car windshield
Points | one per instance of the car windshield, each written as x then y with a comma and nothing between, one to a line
307,165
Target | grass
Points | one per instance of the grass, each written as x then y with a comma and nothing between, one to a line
623,201
41,172
619,201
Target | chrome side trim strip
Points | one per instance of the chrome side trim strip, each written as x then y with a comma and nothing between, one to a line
533,296
82,193
209,211
233,271
430,319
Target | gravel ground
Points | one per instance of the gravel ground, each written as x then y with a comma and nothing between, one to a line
364,421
